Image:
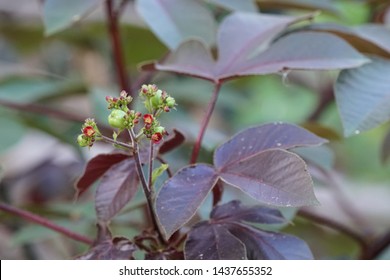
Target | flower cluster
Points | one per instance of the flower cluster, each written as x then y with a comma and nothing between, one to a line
121,117
157,100
152,129
90,133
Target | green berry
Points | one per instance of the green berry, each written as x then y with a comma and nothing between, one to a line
170,101
156,100
117,119
82,141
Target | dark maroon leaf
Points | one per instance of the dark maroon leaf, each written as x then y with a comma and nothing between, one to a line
119,248
180,196
117,187
234,211
302,50
262,245
275,177
165,255
257,139
172,142
95,169
213,242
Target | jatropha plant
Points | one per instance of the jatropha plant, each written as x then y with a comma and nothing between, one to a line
256,161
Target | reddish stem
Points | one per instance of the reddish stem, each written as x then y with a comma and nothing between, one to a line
205,122
44,222
113,17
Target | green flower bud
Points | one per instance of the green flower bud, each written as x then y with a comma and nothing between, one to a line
117,119
156,100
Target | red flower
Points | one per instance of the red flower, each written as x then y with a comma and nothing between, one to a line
156,137
88,131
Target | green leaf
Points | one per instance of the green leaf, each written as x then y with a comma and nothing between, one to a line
12,129
158,171
363,96
60,14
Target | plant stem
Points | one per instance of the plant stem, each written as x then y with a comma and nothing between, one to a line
205,122
362,240
112,141
147,191
113,17
150,183
44,222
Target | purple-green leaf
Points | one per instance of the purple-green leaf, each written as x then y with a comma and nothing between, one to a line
190,58
260,138
95,169
302,50
240,34
180,196
213,242
363,96
234,5
174,21
262,245
117,187
275,177
234,211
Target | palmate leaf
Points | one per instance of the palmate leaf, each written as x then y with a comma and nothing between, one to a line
255,161
245,47
227,236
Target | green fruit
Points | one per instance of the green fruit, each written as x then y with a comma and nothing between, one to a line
82,141
117,119
170,101
156,100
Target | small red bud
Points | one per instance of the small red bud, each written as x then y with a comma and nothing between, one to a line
156,137
88,131
148,119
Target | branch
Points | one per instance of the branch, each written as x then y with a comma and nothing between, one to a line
205,122
44,222
113,29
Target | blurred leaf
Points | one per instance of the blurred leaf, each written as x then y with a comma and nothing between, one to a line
235,211
59,14
95,168
262,245
325,5
98,99
119,248
172,142
12,130
213,242
24,90
362,96
385,151
321,156
322,131
234,5
181,196
174,21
